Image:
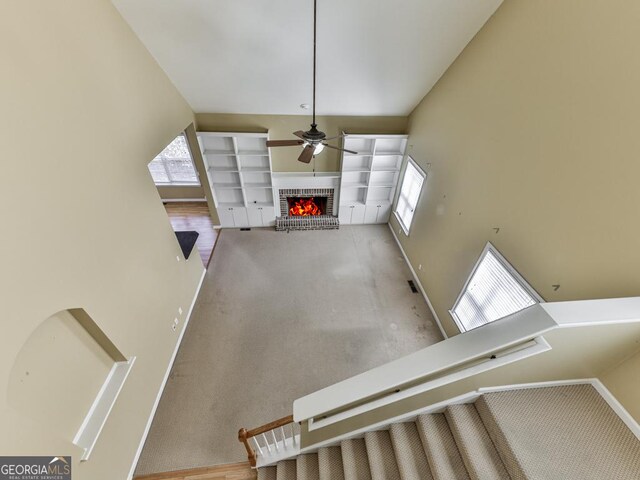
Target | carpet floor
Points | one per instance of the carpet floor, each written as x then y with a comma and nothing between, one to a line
280,316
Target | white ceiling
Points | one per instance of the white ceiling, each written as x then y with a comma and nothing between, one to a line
255,56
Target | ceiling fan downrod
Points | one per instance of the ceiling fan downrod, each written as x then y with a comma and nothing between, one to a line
313,140
315,29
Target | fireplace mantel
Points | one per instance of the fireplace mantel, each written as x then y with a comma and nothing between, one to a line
306,180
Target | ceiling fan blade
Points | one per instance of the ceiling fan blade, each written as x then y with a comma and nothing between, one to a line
333,138
341,149
299,133
284,143
307,154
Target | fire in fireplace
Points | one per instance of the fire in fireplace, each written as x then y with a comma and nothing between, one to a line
306,206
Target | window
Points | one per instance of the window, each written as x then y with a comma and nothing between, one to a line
409,194
493,290
174,165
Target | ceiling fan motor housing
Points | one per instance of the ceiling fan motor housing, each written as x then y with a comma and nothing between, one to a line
314,135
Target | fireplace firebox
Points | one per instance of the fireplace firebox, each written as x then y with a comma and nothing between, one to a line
307,206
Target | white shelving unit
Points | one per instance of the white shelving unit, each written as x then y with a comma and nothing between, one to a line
369,179
239,171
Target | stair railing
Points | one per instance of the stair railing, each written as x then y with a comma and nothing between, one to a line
271,440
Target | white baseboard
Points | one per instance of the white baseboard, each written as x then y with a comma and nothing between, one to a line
617,407
526,386
190,200
164,380
417,280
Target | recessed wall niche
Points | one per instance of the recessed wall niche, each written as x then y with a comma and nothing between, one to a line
67,376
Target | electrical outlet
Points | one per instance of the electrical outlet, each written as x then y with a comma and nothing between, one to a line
420,267
178,257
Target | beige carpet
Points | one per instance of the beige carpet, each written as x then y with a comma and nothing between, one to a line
280,316
566,432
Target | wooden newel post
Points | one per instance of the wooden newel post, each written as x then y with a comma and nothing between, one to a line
242,437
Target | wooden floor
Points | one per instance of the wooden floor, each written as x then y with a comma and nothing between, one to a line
194,216
233,471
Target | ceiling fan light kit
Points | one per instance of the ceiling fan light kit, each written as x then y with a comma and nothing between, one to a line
313,140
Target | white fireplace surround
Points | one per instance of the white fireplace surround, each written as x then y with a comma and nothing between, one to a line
302,180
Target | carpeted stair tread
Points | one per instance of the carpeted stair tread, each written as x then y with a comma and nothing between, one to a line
440,447
330,463
478,452
410,456
307,467
571,427
267,473
354,459
382,460
286,470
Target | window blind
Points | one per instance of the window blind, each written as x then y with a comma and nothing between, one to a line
491,293
409,195
174,165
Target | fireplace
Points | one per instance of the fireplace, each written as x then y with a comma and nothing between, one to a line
307,206
306,209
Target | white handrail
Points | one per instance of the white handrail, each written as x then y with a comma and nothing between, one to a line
528,349
454,358
580,313
459,350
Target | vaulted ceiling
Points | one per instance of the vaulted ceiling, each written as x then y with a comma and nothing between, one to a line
255,56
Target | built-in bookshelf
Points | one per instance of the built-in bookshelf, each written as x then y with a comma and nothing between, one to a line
369,178
239,172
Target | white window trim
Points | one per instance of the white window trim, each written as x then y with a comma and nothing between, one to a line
512,271
411,161
172,183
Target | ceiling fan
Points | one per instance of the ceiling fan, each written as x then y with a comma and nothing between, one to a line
313,140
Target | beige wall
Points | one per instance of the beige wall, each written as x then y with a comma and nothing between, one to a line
534,130
84,109
281,127
623,381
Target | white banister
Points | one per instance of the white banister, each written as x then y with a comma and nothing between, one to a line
594,312
522,351
426,363
459,357
282,450
491,346
259,454
284,437
255,442
266,442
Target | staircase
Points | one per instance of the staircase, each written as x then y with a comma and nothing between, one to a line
563,432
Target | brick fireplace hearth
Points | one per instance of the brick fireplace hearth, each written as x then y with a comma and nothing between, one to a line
324,221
